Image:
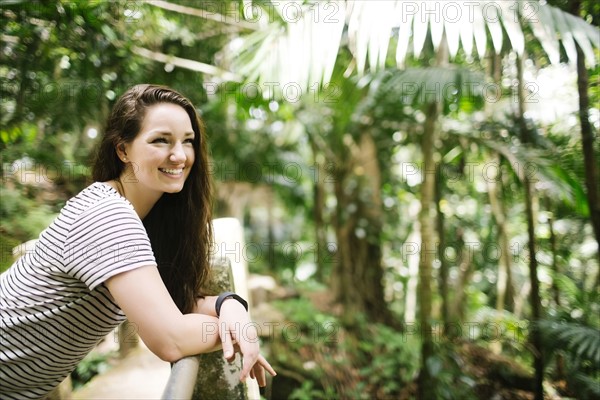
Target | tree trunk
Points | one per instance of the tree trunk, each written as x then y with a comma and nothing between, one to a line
466,270
428,250
321,250
357,278
412,262
444,267
232,198
536,306
555,269
270,232
587,141
504,286
560,361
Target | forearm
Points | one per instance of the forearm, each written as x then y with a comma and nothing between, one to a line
206,305
167,332
195,334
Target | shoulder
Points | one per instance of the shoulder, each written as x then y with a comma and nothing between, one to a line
99,205
98,198
98,193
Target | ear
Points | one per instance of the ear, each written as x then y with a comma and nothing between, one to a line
121,152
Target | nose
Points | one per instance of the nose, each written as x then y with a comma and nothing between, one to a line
177,154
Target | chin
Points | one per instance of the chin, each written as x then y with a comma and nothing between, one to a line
174,190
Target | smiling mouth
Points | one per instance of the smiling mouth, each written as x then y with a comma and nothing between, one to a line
169,171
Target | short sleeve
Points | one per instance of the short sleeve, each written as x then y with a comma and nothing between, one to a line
106,240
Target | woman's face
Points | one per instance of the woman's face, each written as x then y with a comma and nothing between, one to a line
161,156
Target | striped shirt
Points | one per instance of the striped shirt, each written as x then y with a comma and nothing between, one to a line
53,303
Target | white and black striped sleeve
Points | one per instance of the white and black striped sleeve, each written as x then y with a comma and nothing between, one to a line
106,240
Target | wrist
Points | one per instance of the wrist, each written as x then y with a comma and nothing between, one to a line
205,305
228,296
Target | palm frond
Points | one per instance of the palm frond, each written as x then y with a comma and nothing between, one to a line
312,42
300,53
590,386
537,164
581,341
413,86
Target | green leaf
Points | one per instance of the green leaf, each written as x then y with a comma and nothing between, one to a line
582,341
419,33
564,32
493,24
480,34
403,39
452,36
371,26
580,33
512,26
109,33
434,365
545,30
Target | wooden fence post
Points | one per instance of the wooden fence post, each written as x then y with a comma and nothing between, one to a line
208,376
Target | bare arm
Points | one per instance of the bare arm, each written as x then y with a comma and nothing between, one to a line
206,305
168,333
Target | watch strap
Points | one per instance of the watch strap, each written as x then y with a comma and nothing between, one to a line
228,295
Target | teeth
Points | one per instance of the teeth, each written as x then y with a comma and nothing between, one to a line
172,171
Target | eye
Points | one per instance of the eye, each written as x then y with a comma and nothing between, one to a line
160,140
190,141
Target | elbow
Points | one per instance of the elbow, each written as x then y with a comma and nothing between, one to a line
169,353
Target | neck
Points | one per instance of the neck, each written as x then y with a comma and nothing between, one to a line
141,200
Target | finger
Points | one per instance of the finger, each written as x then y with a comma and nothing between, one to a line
261,377
250,353
265,364
249,360
227,344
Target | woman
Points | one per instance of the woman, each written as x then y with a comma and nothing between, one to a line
134,245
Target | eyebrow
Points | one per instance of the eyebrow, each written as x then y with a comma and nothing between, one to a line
168,133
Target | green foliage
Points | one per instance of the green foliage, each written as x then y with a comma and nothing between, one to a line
456,88
579,305
385,361
581,346
22,218
6,257
448,374
574,334
587,386
384,375
491,326
580,340
308,391
93,364
67,61
314,326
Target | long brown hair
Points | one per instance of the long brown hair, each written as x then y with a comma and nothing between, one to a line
179,224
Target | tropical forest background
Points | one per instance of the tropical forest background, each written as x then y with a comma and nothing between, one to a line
419,179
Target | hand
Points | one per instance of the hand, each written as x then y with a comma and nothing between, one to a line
238,333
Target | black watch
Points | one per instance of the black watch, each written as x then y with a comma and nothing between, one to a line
228,295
